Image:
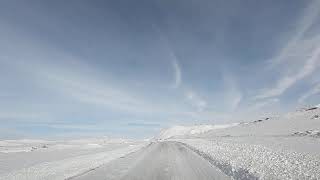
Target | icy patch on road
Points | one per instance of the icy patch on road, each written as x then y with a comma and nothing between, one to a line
66,168
257,160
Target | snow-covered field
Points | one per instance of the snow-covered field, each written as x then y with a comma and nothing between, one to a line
41,159
284,147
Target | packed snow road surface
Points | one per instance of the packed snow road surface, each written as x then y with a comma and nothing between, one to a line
158,161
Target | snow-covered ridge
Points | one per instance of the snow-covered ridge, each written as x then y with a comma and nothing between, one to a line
177,131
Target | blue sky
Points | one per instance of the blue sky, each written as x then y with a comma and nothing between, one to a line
129,68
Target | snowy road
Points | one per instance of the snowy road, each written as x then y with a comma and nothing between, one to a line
161,160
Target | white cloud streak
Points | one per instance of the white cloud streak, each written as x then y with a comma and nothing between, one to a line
172,55
177,73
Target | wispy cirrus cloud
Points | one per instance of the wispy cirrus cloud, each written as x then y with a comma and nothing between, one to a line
233,95
313,91
304,23
289,80
196,101
155,66
177,80
299,58
257,106
70,83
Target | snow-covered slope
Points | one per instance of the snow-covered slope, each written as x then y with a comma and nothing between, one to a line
178,131
288,124
302,122
284,147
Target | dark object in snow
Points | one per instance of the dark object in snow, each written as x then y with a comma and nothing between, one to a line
310,109
257,121
260,120
315,116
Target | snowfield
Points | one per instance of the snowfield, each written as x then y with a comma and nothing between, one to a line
32,159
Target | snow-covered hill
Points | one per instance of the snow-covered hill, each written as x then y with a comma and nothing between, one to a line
179,131
300,122
288,124
303,122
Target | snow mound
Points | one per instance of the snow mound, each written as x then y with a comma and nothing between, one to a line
177,131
